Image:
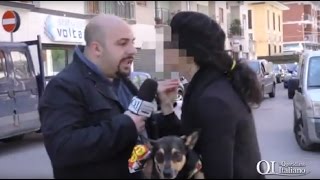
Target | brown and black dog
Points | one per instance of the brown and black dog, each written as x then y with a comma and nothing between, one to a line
173,157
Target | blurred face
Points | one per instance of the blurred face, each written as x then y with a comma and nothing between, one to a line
181,63
117,52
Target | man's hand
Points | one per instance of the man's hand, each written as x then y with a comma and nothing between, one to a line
167,93
139,121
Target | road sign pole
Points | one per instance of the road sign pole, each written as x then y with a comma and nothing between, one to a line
11,37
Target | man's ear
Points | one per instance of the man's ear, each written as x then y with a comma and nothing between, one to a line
191,140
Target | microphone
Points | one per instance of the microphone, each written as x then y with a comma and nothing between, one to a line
142,103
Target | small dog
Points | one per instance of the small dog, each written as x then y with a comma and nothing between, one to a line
173,157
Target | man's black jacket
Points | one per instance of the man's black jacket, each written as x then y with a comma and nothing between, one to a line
85,131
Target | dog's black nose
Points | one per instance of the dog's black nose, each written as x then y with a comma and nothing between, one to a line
167,173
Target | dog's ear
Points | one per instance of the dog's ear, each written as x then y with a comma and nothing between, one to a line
191,140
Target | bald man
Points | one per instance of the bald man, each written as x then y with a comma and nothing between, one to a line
88,132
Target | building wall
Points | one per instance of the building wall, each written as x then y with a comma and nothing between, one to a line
60,35
294,13
68,6
145,14
294,21
292,32
264,35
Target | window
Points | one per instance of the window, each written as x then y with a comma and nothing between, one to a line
250,36
124,9
220,15
275,49
269,49
142,3
20,65
314,73
3,71
268,19
56,59
188,5
254,65
274,21
249,19
279,49
279,23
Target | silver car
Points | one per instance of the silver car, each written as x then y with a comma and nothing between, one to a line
266,78
306,102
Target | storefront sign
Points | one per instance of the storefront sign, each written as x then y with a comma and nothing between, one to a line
62,29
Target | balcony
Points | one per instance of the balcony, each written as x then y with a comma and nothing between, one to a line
309,37
235,30
123,9
163,16
307,17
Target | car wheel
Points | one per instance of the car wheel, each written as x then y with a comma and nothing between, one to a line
301,138
290,94
273,93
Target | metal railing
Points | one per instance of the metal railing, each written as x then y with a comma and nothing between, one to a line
124,9
307,17
309,37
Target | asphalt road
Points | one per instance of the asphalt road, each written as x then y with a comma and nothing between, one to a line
274,123
28,159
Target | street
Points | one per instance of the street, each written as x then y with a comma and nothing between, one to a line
274,122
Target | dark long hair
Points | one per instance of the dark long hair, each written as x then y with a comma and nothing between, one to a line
204,40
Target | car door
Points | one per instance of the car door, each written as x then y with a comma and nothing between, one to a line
298,99
267,79
25,89
7,123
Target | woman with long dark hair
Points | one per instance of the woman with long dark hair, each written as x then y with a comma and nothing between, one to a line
218,99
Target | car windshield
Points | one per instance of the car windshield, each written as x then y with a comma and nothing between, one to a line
314,72
276,68
254,65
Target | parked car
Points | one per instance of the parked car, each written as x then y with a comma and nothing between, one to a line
267,78
279,72
139,77
21,85
306,102
290,72
292,83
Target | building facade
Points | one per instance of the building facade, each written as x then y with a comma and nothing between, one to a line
61,27
301,26
265,26
237,30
